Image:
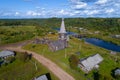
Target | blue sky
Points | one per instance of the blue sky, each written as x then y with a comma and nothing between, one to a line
59,8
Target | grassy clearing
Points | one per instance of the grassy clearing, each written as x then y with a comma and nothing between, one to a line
19,70
75,45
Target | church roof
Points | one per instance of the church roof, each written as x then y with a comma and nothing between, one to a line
62,28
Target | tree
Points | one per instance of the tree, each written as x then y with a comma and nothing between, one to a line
73,60
25,56
96,75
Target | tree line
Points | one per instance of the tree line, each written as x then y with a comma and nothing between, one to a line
104,24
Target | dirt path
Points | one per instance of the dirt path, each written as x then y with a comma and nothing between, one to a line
56,70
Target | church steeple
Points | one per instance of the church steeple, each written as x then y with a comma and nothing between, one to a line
62,28
62,32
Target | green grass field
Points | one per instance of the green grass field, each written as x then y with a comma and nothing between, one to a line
85,49
19,70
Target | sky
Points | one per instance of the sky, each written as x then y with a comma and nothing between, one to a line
59,8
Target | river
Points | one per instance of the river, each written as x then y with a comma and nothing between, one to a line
103,44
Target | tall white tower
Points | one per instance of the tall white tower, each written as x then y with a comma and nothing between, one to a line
62,32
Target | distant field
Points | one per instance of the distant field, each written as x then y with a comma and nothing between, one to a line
85,49
19,70
12,34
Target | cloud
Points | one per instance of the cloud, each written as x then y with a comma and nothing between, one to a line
17,13
97,8
74,8
93,12
109,10
63,12
101,2
76,4
80,5
34,13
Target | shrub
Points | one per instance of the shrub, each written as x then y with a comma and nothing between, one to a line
10,59
73,60
25,56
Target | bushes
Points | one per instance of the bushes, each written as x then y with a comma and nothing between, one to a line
7,60
25,56
115,75
73,60
10,59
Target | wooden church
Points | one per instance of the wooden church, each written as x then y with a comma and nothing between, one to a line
62,41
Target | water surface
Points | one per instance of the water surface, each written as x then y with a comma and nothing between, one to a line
103,44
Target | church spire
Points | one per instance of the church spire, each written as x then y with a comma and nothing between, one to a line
62,28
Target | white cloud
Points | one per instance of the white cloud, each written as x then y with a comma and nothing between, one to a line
109,11
117,4
33,13
76,12
77,4
17,13
102,8
93,12
80,5
101,1
76,8
63,12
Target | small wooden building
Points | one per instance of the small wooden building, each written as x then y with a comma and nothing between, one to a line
87,64
6,53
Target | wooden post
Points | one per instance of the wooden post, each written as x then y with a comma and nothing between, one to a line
0,40
36,66
65,53
43,52
79,47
